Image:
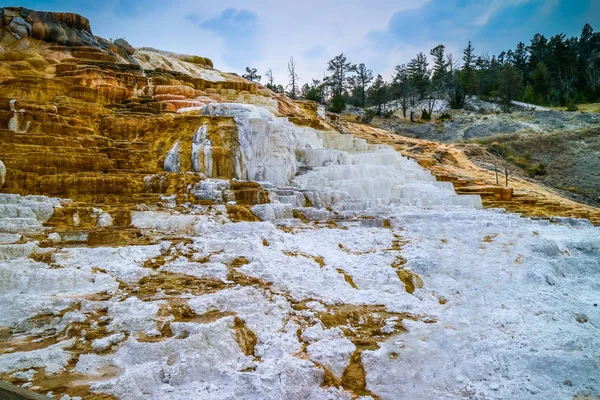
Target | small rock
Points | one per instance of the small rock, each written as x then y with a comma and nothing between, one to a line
122,43
104,220
76,220
172,160
581,318
99,345
20,28
55,237
2,173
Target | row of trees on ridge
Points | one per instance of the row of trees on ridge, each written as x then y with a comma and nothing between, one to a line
558,71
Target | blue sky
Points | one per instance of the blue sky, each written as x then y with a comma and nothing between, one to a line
265,33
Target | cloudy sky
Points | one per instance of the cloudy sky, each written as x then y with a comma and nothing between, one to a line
380,33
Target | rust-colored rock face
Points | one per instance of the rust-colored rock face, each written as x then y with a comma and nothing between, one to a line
63,28
85,118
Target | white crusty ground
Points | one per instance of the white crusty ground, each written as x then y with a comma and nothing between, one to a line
508,308
509,328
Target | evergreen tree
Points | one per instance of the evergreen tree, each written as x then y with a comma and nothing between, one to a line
468,74
314,91
251,75
360,81
439,75
378,93
540,83
538,50
521,59
339,67
511,84
418,74
402,87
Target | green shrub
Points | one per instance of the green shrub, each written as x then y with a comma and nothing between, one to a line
500,149
572,107
368,116
445,116
387,114
337,104
537,170
425,116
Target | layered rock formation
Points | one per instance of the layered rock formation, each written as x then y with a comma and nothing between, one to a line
171,231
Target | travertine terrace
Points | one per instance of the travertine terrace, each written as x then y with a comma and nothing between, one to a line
170,231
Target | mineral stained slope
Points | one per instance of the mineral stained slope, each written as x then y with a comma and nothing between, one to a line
169,231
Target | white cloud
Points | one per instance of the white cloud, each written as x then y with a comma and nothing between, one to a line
498,5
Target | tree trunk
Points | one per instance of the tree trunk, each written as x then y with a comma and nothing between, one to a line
506,176
412,116
363,96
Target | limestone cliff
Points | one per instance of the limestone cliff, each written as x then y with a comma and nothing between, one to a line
87,118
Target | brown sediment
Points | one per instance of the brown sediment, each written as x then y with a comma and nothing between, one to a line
329,379
238,262
363,325
239,213
347,277
300,215
489,238
69,383
357,253
318,259
410,279
172,284
245,280
354,378
245,337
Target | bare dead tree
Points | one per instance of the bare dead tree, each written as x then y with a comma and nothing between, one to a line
293,83
270,80
508,169
493,159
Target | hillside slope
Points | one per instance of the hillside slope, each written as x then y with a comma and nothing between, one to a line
565,144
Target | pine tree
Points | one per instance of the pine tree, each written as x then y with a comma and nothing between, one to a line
511,84
538,50
360,81
521,58
251,75
540,83
315,91
440,66
468,74
339,68
377,93
418,74
401,87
